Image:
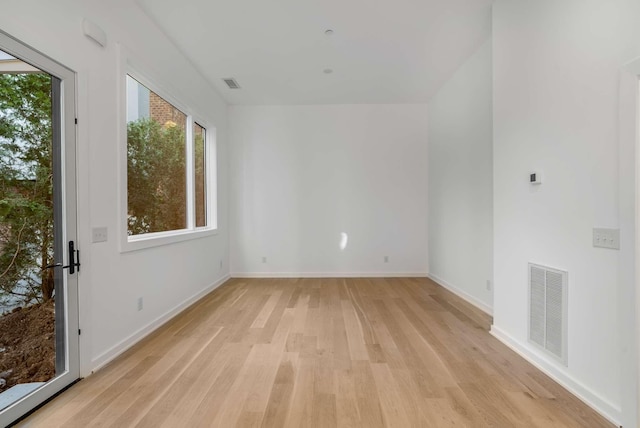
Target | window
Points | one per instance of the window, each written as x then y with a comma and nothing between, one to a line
200,172
167,167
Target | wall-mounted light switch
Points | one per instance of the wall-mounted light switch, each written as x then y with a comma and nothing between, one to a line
99,234
606,238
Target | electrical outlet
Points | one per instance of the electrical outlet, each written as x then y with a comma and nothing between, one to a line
488,285
606,238
386,259
99,234
140,303
264,259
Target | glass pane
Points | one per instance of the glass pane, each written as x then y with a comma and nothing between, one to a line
156,162
27,290
199,138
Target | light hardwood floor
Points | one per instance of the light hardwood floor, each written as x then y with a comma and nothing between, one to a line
320,352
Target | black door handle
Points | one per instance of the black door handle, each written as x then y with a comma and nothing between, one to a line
72,259
55,265
73,264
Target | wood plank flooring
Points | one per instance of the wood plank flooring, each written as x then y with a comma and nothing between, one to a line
320,353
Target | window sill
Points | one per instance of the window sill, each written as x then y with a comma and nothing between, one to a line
150,240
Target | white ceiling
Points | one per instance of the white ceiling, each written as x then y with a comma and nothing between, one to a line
381,51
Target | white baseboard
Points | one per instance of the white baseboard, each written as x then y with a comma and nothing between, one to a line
328,275
589,397
462,294
109,355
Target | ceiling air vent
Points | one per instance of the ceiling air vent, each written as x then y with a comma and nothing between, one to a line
231,83
548,310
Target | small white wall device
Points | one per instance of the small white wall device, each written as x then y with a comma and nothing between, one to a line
535,178
94,32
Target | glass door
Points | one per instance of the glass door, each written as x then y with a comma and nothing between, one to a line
39,261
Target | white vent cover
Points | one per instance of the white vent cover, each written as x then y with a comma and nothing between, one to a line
548,310
231,83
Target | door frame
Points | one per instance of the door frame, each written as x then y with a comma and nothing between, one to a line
628,292
67,155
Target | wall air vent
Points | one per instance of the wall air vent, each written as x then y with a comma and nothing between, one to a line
548,310
231,83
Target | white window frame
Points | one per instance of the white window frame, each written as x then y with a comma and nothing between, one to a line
155,239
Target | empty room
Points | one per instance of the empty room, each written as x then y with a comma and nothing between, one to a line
219,213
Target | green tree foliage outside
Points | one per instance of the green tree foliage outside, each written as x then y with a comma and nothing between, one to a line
156,177
26,188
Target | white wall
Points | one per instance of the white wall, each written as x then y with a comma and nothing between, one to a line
302,175
110,281
460,181
556,75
